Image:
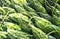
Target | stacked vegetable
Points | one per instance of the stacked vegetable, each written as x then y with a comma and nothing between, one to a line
29,19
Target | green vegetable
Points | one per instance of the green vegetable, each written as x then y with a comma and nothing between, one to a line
45,25
25,25
18,8
37,6
56,16
14,34
28,8
45,16
39,34
29,19
55,13
3,35
12,26
5,10
20,2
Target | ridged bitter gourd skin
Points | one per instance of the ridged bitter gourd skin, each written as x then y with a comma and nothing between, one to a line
46,26
25,25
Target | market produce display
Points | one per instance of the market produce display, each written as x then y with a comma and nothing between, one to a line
29,19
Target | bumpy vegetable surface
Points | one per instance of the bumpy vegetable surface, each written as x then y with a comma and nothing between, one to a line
29,19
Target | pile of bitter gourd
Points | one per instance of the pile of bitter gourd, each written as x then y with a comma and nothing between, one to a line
29,19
